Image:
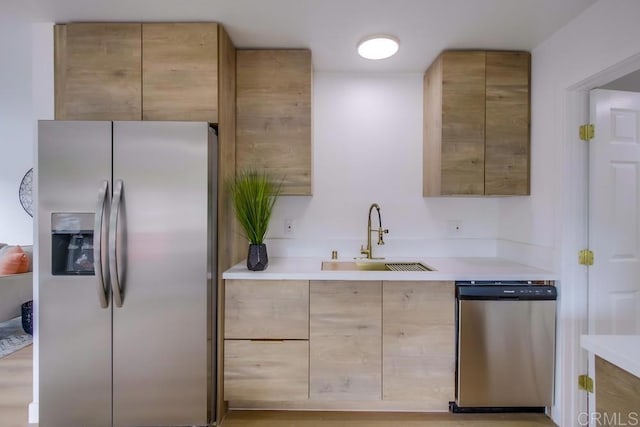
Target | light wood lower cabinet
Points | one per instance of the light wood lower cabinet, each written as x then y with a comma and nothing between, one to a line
419,342
266,370
617,395
266,309
266,347
371,345
345,340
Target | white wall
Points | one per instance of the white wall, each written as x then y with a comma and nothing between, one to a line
603,38
604,35
367,147
16,128
43,109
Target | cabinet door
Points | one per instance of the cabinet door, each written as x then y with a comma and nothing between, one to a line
266,309
345,340
507,123
617,393
98,71
419,342
274,115
266,370
463,118
180,71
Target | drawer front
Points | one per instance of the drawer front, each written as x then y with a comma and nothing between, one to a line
266,309
266,370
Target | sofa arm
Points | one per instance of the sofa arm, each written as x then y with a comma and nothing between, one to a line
15,289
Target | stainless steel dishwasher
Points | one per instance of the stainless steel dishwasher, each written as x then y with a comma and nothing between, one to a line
505,346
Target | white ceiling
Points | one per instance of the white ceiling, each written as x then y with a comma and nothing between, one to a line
331,28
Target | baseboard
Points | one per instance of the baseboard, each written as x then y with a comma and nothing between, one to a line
435,405
453,407
34,412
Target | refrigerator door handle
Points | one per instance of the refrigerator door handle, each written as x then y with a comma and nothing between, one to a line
113,248
99,233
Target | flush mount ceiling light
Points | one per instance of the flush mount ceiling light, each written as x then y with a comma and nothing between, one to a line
378,47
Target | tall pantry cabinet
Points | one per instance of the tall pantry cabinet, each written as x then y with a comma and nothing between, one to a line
156,71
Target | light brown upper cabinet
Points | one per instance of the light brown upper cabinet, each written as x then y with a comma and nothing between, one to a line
274,115
98,71
477,124
133,71
180,72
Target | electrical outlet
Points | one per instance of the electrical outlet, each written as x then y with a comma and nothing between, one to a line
454,227
289,226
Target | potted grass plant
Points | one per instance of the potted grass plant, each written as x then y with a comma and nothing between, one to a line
254,195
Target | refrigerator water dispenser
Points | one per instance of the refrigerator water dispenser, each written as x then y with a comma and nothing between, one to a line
72,244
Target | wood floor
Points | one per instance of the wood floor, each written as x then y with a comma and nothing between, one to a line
368,419
16,388
16,394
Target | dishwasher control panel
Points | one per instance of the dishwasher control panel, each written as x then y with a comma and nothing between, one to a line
511,291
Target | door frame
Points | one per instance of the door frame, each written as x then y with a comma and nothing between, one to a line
573,302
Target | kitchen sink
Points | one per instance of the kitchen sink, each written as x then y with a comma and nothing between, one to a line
374,266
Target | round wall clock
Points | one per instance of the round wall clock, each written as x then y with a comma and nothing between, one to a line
26,192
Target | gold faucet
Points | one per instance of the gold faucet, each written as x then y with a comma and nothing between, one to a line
368,252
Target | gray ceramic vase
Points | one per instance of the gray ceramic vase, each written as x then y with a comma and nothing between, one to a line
257,259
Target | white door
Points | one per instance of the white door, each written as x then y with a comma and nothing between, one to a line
614,213
614,216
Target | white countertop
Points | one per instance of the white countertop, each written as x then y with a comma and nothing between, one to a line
621,350
445,269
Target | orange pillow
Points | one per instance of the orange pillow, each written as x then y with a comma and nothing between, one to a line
14,261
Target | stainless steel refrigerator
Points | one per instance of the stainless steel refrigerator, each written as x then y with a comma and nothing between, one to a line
126,225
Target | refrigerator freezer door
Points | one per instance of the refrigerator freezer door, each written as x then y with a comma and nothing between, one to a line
160,332
74,160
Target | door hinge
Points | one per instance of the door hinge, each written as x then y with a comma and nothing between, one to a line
587,132
585,382
585,257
